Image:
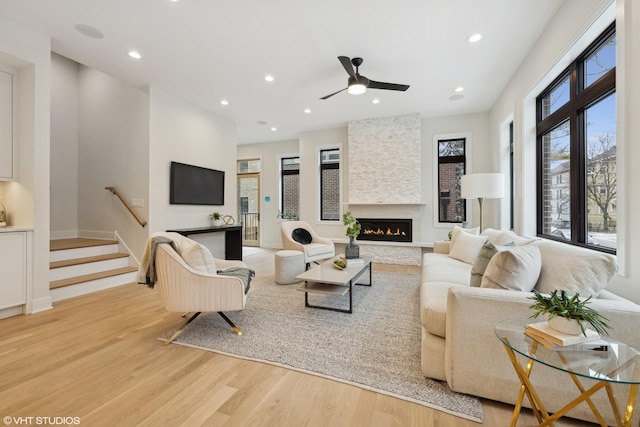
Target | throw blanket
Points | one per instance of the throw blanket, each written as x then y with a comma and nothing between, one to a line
147,270
241,273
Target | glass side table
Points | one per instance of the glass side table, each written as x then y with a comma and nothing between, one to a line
619,365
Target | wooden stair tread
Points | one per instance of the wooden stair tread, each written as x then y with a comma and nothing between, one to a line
85,260
88,277
62,244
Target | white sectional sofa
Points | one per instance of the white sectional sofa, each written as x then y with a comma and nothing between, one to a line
458,341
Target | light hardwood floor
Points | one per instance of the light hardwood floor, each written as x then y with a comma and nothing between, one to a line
97,357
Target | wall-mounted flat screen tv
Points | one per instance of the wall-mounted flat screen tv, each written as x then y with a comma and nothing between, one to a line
195,185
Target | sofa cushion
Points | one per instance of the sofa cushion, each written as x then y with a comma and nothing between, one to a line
503,237
467,247
442,268
573,269
315,249
516,269
433,306
485,254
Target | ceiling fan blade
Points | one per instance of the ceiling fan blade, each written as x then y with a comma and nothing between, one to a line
346,63
334,93
387,86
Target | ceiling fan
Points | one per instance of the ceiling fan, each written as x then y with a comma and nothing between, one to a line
358,84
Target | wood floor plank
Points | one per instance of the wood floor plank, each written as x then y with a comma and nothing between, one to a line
98,357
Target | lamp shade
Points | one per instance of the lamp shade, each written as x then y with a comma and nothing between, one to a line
482,185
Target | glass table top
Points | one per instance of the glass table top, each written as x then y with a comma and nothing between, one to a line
620,364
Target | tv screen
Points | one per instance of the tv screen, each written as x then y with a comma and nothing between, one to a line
195,185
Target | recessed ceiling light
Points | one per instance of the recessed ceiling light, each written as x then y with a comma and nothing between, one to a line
274,128
174,1
135,54
224,102
261,122
458,89
268,78
375,101
456,97
307,111
89,31
474,38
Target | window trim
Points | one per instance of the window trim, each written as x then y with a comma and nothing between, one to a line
281,182
467,136
318,151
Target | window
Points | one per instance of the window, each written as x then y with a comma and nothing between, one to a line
330,185
290,187
576,134
451,167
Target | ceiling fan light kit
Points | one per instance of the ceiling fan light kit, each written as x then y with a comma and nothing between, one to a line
358,84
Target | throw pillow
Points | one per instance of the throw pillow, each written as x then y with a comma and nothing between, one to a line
573,269
301,236
197,256
515,269
457,230
502,237
485,254
467,247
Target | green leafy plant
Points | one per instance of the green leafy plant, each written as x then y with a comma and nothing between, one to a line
569,307
353,226
215,215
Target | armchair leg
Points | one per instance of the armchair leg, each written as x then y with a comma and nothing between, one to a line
179,331
235,328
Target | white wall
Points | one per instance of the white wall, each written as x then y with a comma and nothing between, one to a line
182,132
269,154
28,198
576,23
64,147
113,135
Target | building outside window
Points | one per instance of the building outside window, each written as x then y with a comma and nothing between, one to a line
330,185
290,187
451,168
576,133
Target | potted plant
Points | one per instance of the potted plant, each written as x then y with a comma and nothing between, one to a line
353,230
216,219
568,314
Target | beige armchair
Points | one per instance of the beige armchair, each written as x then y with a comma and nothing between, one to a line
299,236
186,290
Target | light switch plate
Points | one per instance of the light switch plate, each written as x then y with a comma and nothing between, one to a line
137,203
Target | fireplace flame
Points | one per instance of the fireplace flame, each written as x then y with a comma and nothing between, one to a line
380,231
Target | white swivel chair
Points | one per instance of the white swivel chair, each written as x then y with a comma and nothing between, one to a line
299,236
185,290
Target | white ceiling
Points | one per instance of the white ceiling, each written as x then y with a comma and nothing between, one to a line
209,50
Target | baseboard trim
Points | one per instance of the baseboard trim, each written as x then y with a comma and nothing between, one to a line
64,234
101,235
40,304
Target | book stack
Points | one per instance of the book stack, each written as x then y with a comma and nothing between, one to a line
555,340
354,261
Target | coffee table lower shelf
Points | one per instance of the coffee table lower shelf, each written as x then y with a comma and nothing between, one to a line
324,289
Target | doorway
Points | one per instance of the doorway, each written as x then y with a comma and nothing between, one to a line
249,201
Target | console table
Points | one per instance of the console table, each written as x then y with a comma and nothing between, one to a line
232,238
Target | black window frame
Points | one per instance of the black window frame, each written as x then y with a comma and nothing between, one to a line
580,99
284,172
328,166
457,159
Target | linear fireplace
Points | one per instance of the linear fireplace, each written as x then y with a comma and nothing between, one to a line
385,229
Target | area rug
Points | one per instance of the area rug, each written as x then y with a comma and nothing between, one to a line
376,348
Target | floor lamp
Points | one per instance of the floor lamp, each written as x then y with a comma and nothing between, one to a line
482,186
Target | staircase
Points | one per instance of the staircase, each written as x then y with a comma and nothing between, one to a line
80,266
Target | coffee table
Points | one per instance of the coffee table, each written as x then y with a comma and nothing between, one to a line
326,279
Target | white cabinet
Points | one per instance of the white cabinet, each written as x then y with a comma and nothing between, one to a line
7,146
13,269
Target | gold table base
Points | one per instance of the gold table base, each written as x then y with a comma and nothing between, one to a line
541,413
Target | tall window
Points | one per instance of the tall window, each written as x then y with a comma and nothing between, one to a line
330,185
451,167
576,133
290,187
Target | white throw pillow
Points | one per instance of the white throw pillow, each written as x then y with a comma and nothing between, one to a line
457,230
516,269
503,237
467,247
198,256
573,269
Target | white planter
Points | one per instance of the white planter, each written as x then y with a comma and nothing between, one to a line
216,222
564,325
